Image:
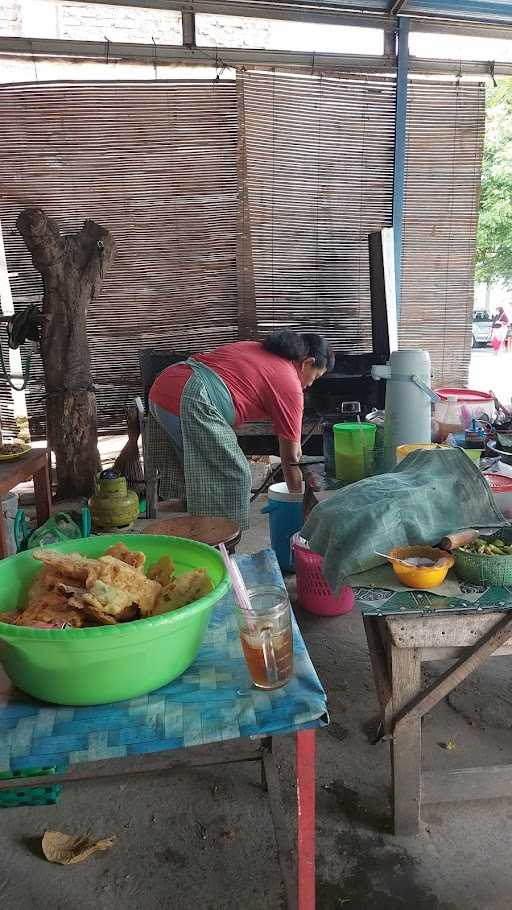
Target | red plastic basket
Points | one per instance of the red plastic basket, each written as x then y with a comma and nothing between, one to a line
313,592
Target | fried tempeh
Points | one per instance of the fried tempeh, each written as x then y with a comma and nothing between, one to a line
162,571
71,565
133,558
117,574
184,590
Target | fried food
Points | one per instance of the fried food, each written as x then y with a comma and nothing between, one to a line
11,617
117,574
89,606
162,571
184,590
133,558
70,565
73,590
52,609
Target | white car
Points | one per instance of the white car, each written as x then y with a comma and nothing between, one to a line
482,328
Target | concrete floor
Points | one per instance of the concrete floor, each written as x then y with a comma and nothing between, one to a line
204,838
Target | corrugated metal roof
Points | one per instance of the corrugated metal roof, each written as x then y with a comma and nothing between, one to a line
499,11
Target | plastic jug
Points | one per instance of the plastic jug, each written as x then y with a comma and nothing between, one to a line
353,450
285,512
409,398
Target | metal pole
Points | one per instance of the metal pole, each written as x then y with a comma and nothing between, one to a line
400,149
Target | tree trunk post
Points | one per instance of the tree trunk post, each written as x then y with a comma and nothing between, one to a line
72,268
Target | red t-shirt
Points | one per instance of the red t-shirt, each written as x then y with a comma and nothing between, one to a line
263,386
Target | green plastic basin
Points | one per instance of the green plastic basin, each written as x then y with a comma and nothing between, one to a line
107,663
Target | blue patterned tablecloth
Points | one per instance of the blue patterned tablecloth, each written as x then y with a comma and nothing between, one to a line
212,702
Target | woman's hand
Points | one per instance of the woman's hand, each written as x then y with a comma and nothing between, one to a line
291,453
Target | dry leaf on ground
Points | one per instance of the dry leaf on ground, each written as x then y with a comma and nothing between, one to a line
67,849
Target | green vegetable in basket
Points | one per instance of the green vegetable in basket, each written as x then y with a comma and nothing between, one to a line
482,547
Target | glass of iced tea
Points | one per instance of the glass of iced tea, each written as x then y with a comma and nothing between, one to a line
266,637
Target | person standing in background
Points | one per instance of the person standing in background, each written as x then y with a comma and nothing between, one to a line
499,330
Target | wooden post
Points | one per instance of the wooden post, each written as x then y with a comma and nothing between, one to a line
406,743
72,268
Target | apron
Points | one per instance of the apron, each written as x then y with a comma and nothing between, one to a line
215,478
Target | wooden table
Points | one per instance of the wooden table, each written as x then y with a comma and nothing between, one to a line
33,464
211,531
398,645
210,715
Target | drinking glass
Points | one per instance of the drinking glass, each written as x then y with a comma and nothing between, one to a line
266,636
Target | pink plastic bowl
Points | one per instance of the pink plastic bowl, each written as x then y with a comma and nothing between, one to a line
313,592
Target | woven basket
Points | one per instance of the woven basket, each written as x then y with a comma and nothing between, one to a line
486,570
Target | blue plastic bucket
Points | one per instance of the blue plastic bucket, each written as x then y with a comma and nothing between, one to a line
285,512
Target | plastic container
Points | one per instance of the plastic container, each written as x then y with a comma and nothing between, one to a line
472,405
408,412
107,663
501,489
403,451
353,450
285,512
421,577
313,592
450,418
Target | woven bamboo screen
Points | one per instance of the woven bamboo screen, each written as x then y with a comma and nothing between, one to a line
316,177
156,164
445,133
215,239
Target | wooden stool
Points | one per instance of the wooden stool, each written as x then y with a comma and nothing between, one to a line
211,531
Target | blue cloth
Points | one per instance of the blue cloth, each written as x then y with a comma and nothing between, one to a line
212,702
171,423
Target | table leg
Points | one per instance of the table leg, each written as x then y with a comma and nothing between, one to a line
379,661
42,493
306,819
406,742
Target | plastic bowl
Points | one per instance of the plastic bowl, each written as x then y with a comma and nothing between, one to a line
107,663
421,577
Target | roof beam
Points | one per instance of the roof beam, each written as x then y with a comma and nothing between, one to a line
261,10
231,57
204,56
397,6
456,27
458,67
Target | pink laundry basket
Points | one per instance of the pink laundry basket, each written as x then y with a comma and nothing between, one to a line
313,592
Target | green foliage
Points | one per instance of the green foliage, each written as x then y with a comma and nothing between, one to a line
494,239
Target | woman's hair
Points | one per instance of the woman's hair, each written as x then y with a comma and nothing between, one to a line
298,347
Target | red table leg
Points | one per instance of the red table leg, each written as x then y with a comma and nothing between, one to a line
305,744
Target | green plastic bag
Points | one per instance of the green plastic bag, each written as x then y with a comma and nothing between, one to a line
59,528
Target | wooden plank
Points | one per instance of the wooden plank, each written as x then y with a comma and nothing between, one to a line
428,654
422,703
467,783
406,743
14,472
195,756
450,630
378,657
